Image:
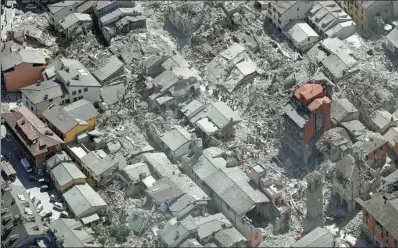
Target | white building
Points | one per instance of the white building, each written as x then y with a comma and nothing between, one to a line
301,35
78,82
328,16
74,24
282,12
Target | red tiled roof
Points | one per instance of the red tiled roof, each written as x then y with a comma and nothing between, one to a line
307,92
315,104
30,130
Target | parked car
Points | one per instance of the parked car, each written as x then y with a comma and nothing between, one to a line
64,214
55,198
45,188
59,206
39,208
26,165
42,181
46,214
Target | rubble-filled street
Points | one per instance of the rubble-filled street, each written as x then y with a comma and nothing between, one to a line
200,123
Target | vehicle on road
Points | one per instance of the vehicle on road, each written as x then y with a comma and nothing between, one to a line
55,198
60,206
26,165
31,6
42,181
64,214
39,208
45,188
45,214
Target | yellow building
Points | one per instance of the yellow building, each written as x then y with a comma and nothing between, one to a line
69,121
364,12
65,175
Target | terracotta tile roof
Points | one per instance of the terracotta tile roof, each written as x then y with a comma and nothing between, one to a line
30,130
314,105
306,92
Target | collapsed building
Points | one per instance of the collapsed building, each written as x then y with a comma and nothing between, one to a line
215,119
187,17
231,67
306,118
354,179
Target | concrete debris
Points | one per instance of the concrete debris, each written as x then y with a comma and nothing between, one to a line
172,61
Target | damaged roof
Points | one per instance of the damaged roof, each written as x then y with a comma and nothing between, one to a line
164,190
56,7
110,69
74,18
229,237
32,56
370,141
57,158
383,118
393,37
341,108
43,91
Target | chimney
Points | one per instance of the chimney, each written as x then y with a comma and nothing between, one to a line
38,83
66,69
45,96
76,77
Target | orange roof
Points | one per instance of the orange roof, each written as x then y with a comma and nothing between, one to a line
318,102
307,92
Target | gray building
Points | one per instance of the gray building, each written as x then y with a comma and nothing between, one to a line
319,237
392,41
83,201
38,97
175,232
113,67
70,233
330,20
77,80
58,11
381,120
74,25
56,159
99,170
65,175
343,110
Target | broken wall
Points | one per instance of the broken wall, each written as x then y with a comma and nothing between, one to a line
185,26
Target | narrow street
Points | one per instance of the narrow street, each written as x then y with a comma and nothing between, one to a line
8,148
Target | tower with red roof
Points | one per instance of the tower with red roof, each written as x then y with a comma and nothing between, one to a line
306,118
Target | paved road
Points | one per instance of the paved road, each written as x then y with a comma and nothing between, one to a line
9,149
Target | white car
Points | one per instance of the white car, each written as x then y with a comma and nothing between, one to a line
59,206
55,198
39,208
64,214
26,165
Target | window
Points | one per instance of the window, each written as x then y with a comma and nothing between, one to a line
366,217
27,103
67,101
75,99
62,102
382,235
80,91
51,100
85,89
386,234
73,93
80,97
308,39
31,108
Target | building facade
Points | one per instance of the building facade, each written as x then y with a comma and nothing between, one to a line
280,13
306,118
